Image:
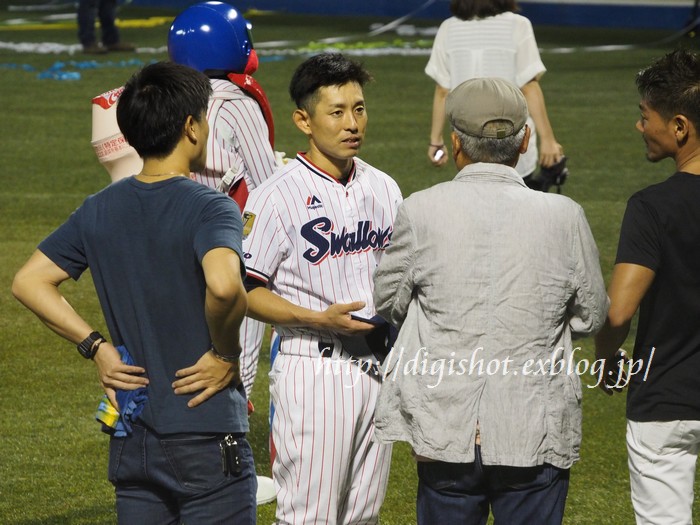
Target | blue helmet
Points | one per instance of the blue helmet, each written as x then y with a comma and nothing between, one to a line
212,36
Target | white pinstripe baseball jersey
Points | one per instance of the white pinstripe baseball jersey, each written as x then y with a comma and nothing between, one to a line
238,138
317,242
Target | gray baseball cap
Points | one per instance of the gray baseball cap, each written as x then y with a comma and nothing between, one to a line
476,102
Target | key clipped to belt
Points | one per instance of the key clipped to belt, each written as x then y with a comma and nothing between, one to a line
230,459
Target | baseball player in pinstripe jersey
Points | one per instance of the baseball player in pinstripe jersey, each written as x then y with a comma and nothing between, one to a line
315,233
240,152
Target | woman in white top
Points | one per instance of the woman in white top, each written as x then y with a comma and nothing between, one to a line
486,38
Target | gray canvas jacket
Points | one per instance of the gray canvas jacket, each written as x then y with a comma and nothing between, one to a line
489,282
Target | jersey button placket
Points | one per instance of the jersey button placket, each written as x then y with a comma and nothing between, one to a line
359,259
349,211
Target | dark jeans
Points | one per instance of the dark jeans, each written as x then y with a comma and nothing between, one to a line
107,14
174,479
462,493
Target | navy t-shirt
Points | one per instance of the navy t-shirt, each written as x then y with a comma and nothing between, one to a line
144,245
661,231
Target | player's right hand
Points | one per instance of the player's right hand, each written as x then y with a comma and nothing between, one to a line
336,318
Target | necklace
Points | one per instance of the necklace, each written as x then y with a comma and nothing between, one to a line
169,174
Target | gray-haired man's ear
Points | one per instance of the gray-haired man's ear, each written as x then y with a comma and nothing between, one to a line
456,147
526,139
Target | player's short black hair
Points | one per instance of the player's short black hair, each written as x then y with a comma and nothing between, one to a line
671,85
154,106
468,9
326,69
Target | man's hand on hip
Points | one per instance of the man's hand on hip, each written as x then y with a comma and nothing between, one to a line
115,375
208,376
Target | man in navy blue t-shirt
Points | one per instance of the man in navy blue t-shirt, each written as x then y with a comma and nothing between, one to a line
657,271
165,257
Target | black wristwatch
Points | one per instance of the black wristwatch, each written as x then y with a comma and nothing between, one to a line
89,346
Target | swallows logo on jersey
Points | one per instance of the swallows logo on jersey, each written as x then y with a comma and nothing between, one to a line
319,232
313,202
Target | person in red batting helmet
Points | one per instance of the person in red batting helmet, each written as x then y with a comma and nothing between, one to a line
215,38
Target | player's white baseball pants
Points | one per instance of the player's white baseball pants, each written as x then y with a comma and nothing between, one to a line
328,469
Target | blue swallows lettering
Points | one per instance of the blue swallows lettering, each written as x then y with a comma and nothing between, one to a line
326,242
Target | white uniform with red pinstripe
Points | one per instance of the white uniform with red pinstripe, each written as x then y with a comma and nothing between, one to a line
238,139
317,242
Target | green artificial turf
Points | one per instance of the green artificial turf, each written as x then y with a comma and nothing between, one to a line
52,455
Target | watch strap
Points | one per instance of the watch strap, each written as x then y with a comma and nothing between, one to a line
88,347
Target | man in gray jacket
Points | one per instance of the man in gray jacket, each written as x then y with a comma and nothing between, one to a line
488,282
